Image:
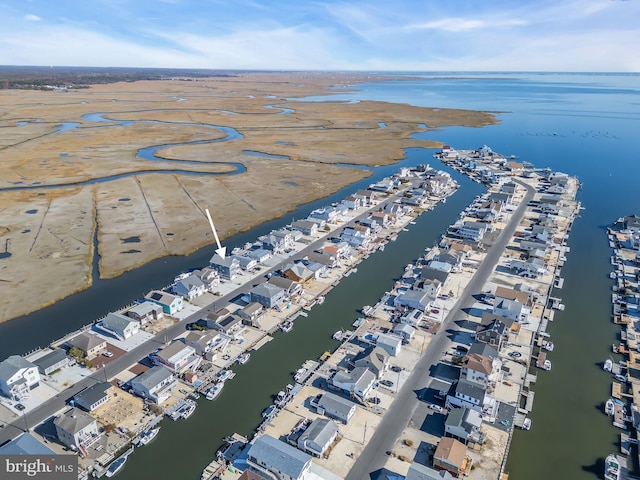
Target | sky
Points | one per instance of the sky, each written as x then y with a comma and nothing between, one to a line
356,35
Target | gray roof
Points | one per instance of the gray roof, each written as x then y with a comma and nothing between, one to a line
86,341
470,389
429,273
319,432
153,376
227,261
12,365
280,456
191,281
161,297
145,308
94,393
25,444
116,321
170,350
416,295
258,253
331,401
73,421
253,307
377,356
50,359
463,417
417,471
282,282
267,290
483,349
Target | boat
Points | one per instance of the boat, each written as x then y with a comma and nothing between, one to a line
214,391
188,411
116,466
526,424
612,275
546,365
286,327
612,469
244,358
225,375
320,300
548,346
337,335
608,407
148,436
621,378
608,365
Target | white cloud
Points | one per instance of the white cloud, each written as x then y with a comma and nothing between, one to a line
32,18
457,24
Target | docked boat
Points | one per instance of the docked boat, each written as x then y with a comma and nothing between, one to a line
320,300
149,435
546,365
244,358
188,411
548,346
337,335
608,365
116,466
612,275
612,469
225,375
621,378
214,391
286,327
609,407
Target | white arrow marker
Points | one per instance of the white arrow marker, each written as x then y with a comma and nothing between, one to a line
222,251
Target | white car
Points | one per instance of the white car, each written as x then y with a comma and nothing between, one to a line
108,354
435,408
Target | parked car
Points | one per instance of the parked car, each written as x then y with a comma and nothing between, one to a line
435,408
386,383
108,354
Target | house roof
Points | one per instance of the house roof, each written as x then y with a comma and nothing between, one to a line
417,471
279,456
511,294
451,451
488,318
94,393
250,475
331,401
478,363
483,349
172,349
300,270
258,253
86,341
253,307
153,376
192,281
404,328
25,444
377,356
50,359
429,273
416,296
227,261
161,297
284,283
319,432
470,389
12,365
266,289
74,421
116,321
145,308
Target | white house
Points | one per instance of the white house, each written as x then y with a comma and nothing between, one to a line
468,394
77,429
155,384
477,369
119,326
473,230
512,309
416,299
358,381
189,287
318,436
145,312
277,460
18,377
390,343
178,357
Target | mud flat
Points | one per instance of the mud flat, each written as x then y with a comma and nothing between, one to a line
72,164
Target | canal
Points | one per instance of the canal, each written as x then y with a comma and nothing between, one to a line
191,444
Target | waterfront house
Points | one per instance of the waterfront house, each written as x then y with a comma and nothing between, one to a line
451,455
246,262
483,349
18,376
209,276
328,214
305,226
521,296
512,309
472,230
251,314
374,358
230,325
392,344
326,259
53,361
251,475
94,396
277,460
290,287
334,406
415,299
412,317
260,255
452,257
428,273
508,187
298,272
431,287
352,202
213,318
77,429
145,312
339,249
171,304
119,326
155,384
383,219
358,382
464,424
417,471
494,330
89,344
178,357
227,267
356,237
371,223
25,444
528,245
267,294
318,437
404,331
201,341
468,394
442,266
189,287
477,369
531,268
382,186
367,196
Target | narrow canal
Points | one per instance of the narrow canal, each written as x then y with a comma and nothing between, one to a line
191,444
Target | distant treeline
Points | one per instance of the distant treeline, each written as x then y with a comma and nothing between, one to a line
47,78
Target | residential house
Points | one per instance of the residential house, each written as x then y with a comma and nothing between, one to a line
290,287
246,262
213,318
178,357
171,304
374,358
417,471
230,325
209,276
451,455
392,344
145,312
382,186
531,268
334,406
155,384
442,266
94,396
278,460
318,437
367,196
25,444
267,294
412,317
326,259
522,296
476,369
340,249
468,394
52,361
483,349
452,257
508,187
77,429
404,331
119,326
415,299
494,330
358,236
305,226
251,314
251,475
202,342
328,214
383,219
428,273
260,255
227,267
317,269
464,424
18,376
472,230
512,309
352,202
298,272
358,382
90,344
371,223
431,287
189,287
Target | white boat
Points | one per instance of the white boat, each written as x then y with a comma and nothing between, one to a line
286,327
116,466
214,391
548,346
149,435
243,358
337,335
546,365
620,378
281,395
526,424
612,275
608,365
612,469
609,406
320,300
188,411
225,375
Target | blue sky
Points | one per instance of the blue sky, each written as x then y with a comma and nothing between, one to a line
569,35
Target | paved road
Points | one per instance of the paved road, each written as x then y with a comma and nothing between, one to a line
55,404
396,418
